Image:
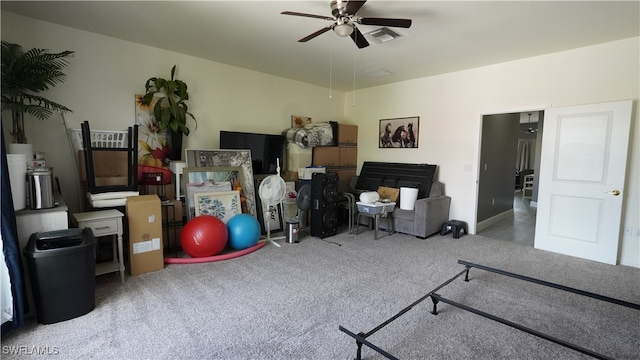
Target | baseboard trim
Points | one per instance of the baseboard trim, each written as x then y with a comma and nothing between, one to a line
494,219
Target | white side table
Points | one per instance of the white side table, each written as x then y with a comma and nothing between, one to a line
104,223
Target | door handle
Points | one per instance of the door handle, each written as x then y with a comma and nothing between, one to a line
613,192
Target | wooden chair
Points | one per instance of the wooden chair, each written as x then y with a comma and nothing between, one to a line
101,194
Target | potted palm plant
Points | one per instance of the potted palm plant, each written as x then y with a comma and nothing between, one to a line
24,75
170,110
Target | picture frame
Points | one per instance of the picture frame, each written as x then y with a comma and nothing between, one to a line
399,132
207,158
213,179
224,204
298,121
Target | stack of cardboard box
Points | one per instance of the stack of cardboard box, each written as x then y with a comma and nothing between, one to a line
341,159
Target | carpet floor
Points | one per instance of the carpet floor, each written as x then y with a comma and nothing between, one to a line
288,302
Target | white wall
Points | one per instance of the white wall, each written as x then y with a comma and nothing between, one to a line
106,73
450,108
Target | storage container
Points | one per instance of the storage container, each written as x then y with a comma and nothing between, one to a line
62,269
376,208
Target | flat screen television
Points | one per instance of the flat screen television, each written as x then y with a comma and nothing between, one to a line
266,149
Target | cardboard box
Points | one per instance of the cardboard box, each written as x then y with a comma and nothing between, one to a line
106,164
348,156
144,215
347,135
326,156
290,176
388,193
341,156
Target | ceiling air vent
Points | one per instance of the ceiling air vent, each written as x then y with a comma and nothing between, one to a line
382,35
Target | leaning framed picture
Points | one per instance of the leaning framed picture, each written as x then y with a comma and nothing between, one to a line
224,205
213,179
399,132
207,158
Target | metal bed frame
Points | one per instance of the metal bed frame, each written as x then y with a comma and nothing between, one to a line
361,337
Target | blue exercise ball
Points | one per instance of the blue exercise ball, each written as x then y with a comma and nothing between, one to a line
244,231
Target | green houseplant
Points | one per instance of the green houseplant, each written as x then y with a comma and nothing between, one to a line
24,75
171,109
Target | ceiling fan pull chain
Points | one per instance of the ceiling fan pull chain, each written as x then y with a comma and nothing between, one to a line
330,70
353,101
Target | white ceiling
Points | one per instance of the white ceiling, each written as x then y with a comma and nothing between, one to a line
445,36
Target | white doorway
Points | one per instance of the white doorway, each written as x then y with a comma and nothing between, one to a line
562,212
501,210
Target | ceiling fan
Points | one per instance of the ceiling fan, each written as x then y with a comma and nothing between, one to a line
531,129
345,20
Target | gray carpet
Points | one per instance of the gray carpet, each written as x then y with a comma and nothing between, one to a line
287,303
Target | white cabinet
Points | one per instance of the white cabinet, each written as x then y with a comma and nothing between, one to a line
527,187
105,223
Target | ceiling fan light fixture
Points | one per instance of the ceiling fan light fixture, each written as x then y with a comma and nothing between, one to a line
343,30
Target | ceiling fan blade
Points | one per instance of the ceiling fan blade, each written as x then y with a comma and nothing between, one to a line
319,32
403,23
354,6
308,15
358,38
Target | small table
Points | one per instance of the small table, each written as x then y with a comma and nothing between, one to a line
374,211
104,223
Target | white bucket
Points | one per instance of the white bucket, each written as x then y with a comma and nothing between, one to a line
17,165
408,197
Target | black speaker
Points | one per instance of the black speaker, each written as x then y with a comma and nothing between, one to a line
324,204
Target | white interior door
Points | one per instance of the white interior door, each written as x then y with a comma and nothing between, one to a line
582,178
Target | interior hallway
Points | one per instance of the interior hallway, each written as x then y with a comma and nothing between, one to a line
520,228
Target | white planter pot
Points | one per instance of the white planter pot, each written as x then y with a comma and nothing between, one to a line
26,149
18,179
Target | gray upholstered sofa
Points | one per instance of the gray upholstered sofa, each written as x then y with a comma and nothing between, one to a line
430,211
426,218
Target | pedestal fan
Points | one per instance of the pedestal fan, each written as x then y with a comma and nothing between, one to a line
272,191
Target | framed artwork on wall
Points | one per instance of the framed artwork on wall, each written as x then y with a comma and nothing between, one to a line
399,132
298,121
212,158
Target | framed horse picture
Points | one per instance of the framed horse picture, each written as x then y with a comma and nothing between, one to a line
399,132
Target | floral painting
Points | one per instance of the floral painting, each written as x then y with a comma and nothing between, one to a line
153,142
299,121
223,205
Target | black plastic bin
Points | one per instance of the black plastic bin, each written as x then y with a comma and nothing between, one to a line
62,269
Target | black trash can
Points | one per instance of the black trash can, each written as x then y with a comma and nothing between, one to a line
62,269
